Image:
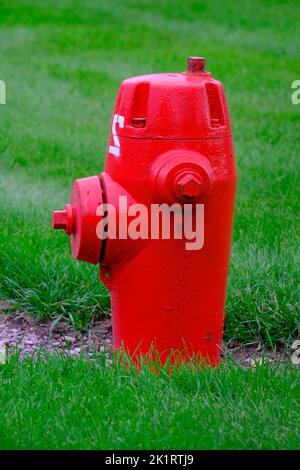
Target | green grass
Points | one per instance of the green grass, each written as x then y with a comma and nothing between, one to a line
72,404
63,63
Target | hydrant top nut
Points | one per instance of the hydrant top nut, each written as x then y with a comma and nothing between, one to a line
196,64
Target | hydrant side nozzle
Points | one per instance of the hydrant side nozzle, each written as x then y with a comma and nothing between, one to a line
80,219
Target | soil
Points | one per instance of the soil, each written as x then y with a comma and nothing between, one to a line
23,333
19,331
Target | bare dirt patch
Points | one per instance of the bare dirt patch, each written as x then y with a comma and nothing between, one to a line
250,355
22,332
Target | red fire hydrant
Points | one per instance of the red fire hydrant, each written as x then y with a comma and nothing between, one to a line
170,148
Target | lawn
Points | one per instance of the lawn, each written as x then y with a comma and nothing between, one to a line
63,63
71,404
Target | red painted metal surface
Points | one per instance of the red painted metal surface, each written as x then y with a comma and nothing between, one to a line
170,142
79,219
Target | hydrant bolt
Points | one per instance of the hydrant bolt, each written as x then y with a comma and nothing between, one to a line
196,64
188,186
63,220
59,220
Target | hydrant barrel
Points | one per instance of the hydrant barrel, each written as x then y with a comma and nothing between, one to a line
170,150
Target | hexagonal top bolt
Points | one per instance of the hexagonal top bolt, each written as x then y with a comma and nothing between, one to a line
196,64
188,186
63,220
